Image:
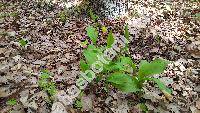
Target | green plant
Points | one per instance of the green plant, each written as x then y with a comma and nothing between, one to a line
23,42
128,83
126,32
12,102
110,39
93,16
92,33
122,72
104,29
12,14
78,104
46,84
63,16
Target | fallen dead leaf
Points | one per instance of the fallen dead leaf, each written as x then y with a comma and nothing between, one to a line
198,104
58,108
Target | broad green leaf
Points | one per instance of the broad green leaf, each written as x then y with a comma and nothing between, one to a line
110,39
92,33
123,82
123,63
119,78
126,32
155,67
23,42
126,60
197,15
91,54
127,87
110,67
160,84
167,92
91,47
83,65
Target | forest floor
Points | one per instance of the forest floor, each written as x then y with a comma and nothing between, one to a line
170,31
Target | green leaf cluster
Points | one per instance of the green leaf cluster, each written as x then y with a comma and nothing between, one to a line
45,83
12,102
145,70
78,104
63,16
23,42
122,72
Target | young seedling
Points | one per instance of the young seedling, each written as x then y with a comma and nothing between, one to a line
63,16
78,104
12,102
46,84
23,42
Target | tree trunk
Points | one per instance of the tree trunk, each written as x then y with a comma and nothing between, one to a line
110,8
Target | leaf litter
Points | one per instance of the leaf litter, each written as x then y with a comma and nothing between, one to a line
162,29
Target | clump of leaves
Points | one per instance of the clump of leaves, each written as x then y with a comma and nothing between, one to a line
122,72
78,104
23,42
129,83
12,102
46,84
63,16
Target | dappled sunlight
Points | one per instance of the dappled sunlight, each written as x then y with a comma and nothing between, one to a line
103,56
67,4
